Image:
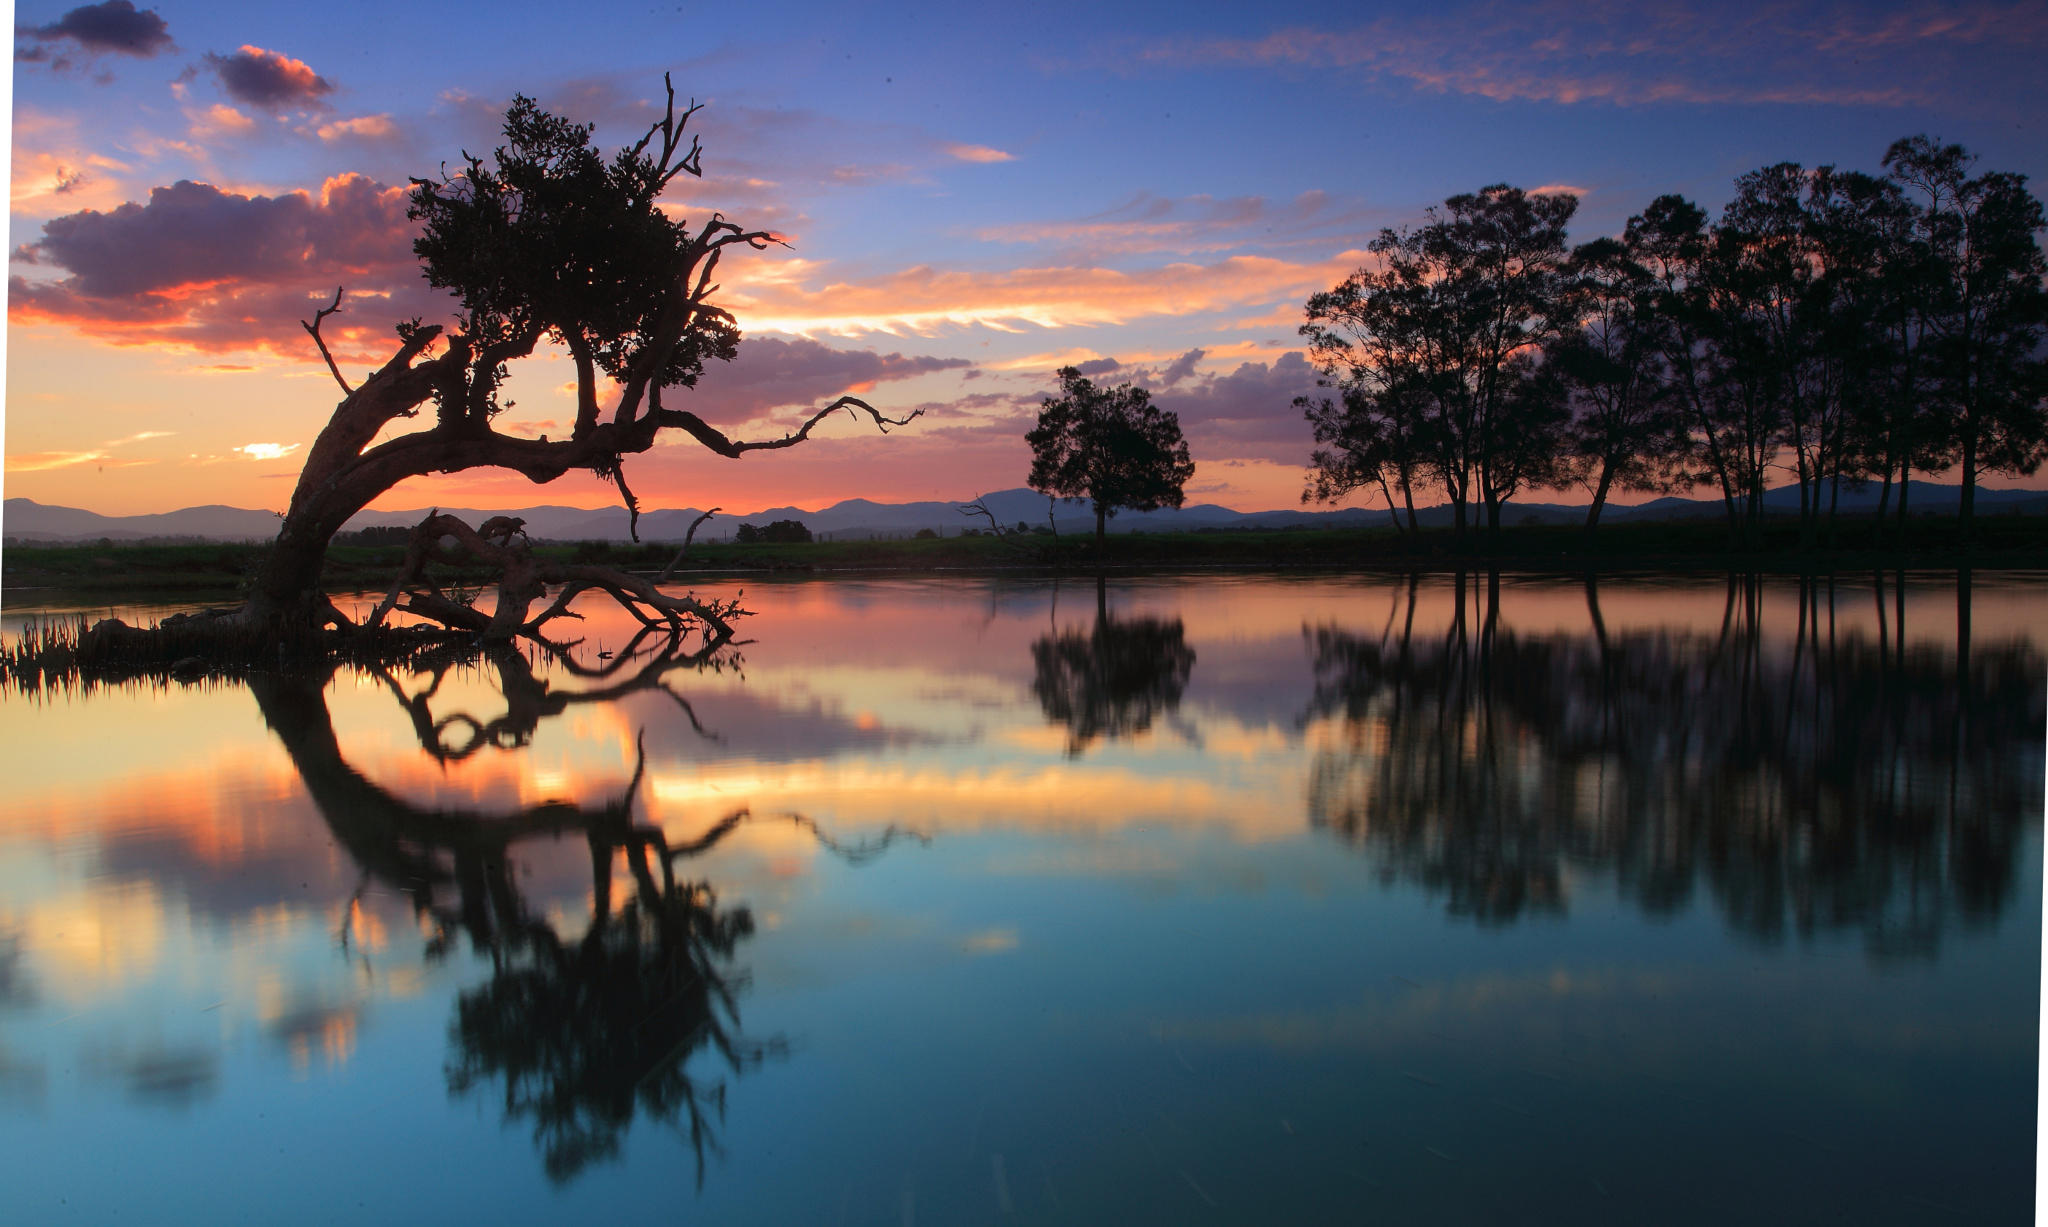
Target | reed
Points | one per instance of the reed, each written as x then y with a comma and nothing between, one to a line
64,655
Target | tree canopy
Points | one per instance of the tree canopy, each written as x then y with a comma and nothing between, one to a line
547,240
1837,325
1434,346
1111,446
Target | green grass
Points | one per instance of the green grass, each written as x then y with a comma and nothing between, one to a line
210,571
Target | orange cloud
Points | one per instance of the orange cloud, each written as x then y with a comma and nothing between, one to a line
269,80
53,171
363,127
926,301
214,270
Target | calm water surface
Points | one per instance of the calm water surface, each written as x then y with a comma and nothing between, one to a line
1215,900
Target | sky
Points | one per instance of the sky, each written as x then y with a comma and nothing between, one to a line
973,197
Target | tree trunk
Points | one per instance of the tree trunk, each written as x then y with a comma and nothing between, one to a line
1905,488
1969,504
286,594
1834,504
1600,495
1388,494
1884,501
1101,527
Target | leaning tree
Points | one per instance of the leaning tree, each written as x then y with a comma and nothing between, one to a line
547,242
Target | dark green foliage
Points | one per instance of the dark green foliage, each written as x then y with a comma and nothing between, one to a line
385,534
1112,446
781,532
551,235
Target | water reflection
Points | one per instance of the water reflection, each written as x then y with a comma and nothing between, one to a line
1841,781
470,893
1113,681
580,1033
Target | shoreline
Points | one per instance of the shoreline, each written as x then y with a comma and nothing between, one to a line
218,571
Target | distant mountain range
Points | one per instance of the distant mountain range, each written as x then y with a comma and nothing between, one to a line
27,521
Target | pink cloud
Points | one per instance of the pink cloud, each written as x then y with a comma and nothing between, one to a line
925,300
979,153
217,271
269,80
1795,52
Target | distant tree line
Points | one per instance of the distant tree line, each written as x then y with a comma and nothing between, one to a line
781,531
1842,326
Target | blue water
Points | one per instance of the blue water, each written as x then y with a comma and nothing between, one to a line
1220,900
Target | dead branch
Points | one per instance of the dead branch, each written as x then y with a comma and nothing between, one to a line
314,329
688,537
522,579
979,507
618,475
715,439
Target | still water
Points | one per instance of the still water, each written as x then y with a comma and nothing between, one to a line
1218,900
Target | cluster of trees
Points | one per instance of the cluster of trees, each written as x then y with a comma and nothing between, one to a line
1845,781
1841,326
779,531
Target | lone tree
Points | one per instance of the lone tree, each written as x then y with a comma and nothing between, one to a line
1111,446
549,241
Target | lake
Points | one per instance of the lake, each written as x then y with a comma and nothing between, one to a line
1183,900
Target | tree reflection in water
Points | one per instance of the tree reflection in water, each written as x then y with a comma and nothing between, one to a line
1113,681
1838,781
587,1033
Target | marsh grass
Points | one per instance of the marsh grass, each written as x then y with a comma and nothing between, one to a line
61,655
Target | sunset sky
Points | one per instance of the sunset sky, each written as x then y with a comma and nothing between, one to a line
972,200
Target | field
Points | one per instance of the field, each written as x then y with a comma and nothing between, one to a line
221,569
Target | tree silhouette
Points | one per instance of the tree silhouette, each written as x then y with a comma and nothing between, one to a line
1112,446
1113,681
1985,310
1436,339
1826,784
1839,325
1623,432
584,1035
550,241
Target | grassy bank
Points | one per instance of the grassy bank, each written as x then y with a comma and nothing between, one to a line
205,571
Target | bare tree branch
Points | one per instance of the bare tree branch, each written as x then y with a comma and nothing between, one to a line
715,439
313,329
688,537
618,475
979,507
